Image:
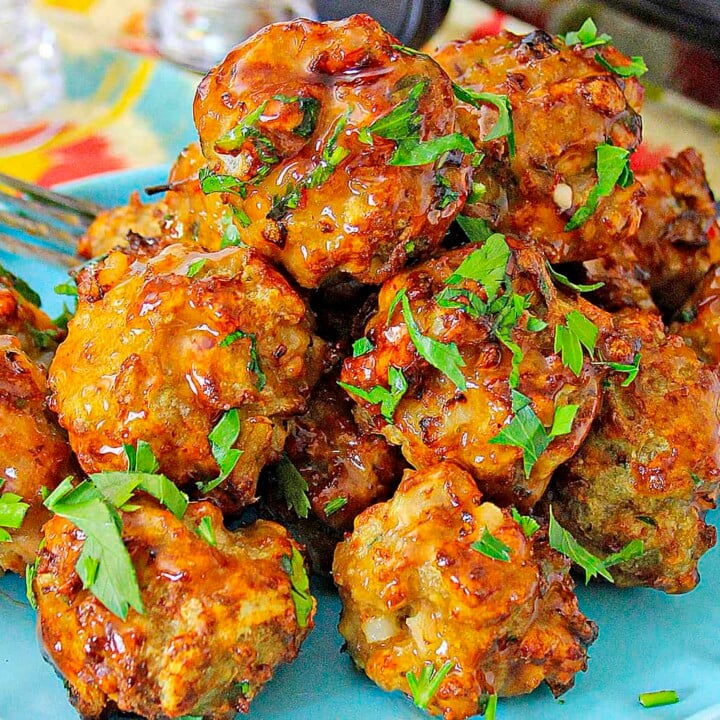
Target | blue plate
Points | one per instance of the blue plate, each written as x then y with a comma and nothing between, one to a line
648,641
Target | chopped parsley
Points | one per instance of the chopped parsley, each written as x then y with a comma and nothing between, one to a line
563,280
30,574
529,525
631,369
476,229
387,399
231,235
634,549
414,151
309,107
578,332
293,487
487,265
196,267
294,566
254,363
477,192
362,346
447,195
658,698
67,288
21,287
637,67
613,168
206,531
586,36
222,438
334,505
212,182
12,514
402,122
504,124
489,707
493,548
445,357
424,686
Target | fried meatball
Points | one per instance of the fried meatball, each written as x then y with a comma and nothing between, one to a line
217,621
437,419
649,469
415,591
698,323
564,105
346,470
34,452
159,350
288,114
21,317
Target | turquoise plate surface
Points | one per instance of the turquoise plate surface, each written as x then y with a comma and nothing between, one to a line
648,641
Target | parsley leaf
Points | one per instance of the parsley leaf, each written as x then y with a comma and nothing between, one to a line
414,151
30,573
488,706
67,288
231,235
254,363
492,547
570,339
309,107
104,564
476,229
334,505
12,514
362,346
402,122
443,356
486,265
528,525
447,194
206,531
504,124
586,36
636,68
222,438
424,686
233,139
631,369
387,399
563,280
613,168
212,182
293,487
196,267
294,566
634,549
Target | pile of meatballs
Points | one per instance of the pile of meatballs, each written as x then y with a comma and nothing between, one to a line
323,268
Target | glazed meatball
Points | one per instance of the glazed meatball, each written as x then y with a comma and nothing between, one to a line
416,591
289,119
163,350
698,323
34,452
564,105
649,469
217,619
437,417
21,317
345,469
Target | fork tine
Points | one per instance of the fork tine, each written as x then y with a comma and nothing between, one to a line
48,233
30,207
37,252
49,197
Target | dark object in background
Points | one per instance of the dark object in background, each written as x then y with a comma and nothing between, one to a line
679,40
413,22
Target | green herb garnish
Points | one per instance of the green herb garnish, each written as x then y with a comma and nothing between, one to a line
636,68
632,369
222,438
206,531
658,698
529,525
212,182
447,195
402,122
21,287
489,707
577,287
476,229
493,548
613,168
309,107
231,235
586,36
362,346
67,288
634,549
387,399
413,151
334,505
504,125
293,487
294,566
254,363
424,686
570,339
12,514
487,265
196,267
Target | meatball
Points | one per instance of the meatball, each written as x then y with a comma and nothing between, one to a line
434,416
170,349
345,470
416,590
564,105
21,316
34,452
289,120
217,619
649,469
698,323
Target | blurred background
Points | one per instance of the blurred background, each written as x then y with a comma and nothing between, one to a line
91,86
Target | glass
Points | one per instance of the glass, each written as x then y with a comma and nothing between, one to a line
31,80
199,33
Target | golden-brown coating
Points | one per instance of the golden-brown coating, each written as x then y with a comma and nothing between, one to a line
414,591
649,469
564,105
698,323
436,420
217,621
34,452
283,113
21,316
155,355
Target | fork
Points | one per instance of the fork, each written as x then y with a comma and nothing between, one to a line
41,223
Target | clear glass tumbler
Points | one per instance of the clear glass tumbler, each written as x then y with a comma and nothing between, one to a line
31,80
199,33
